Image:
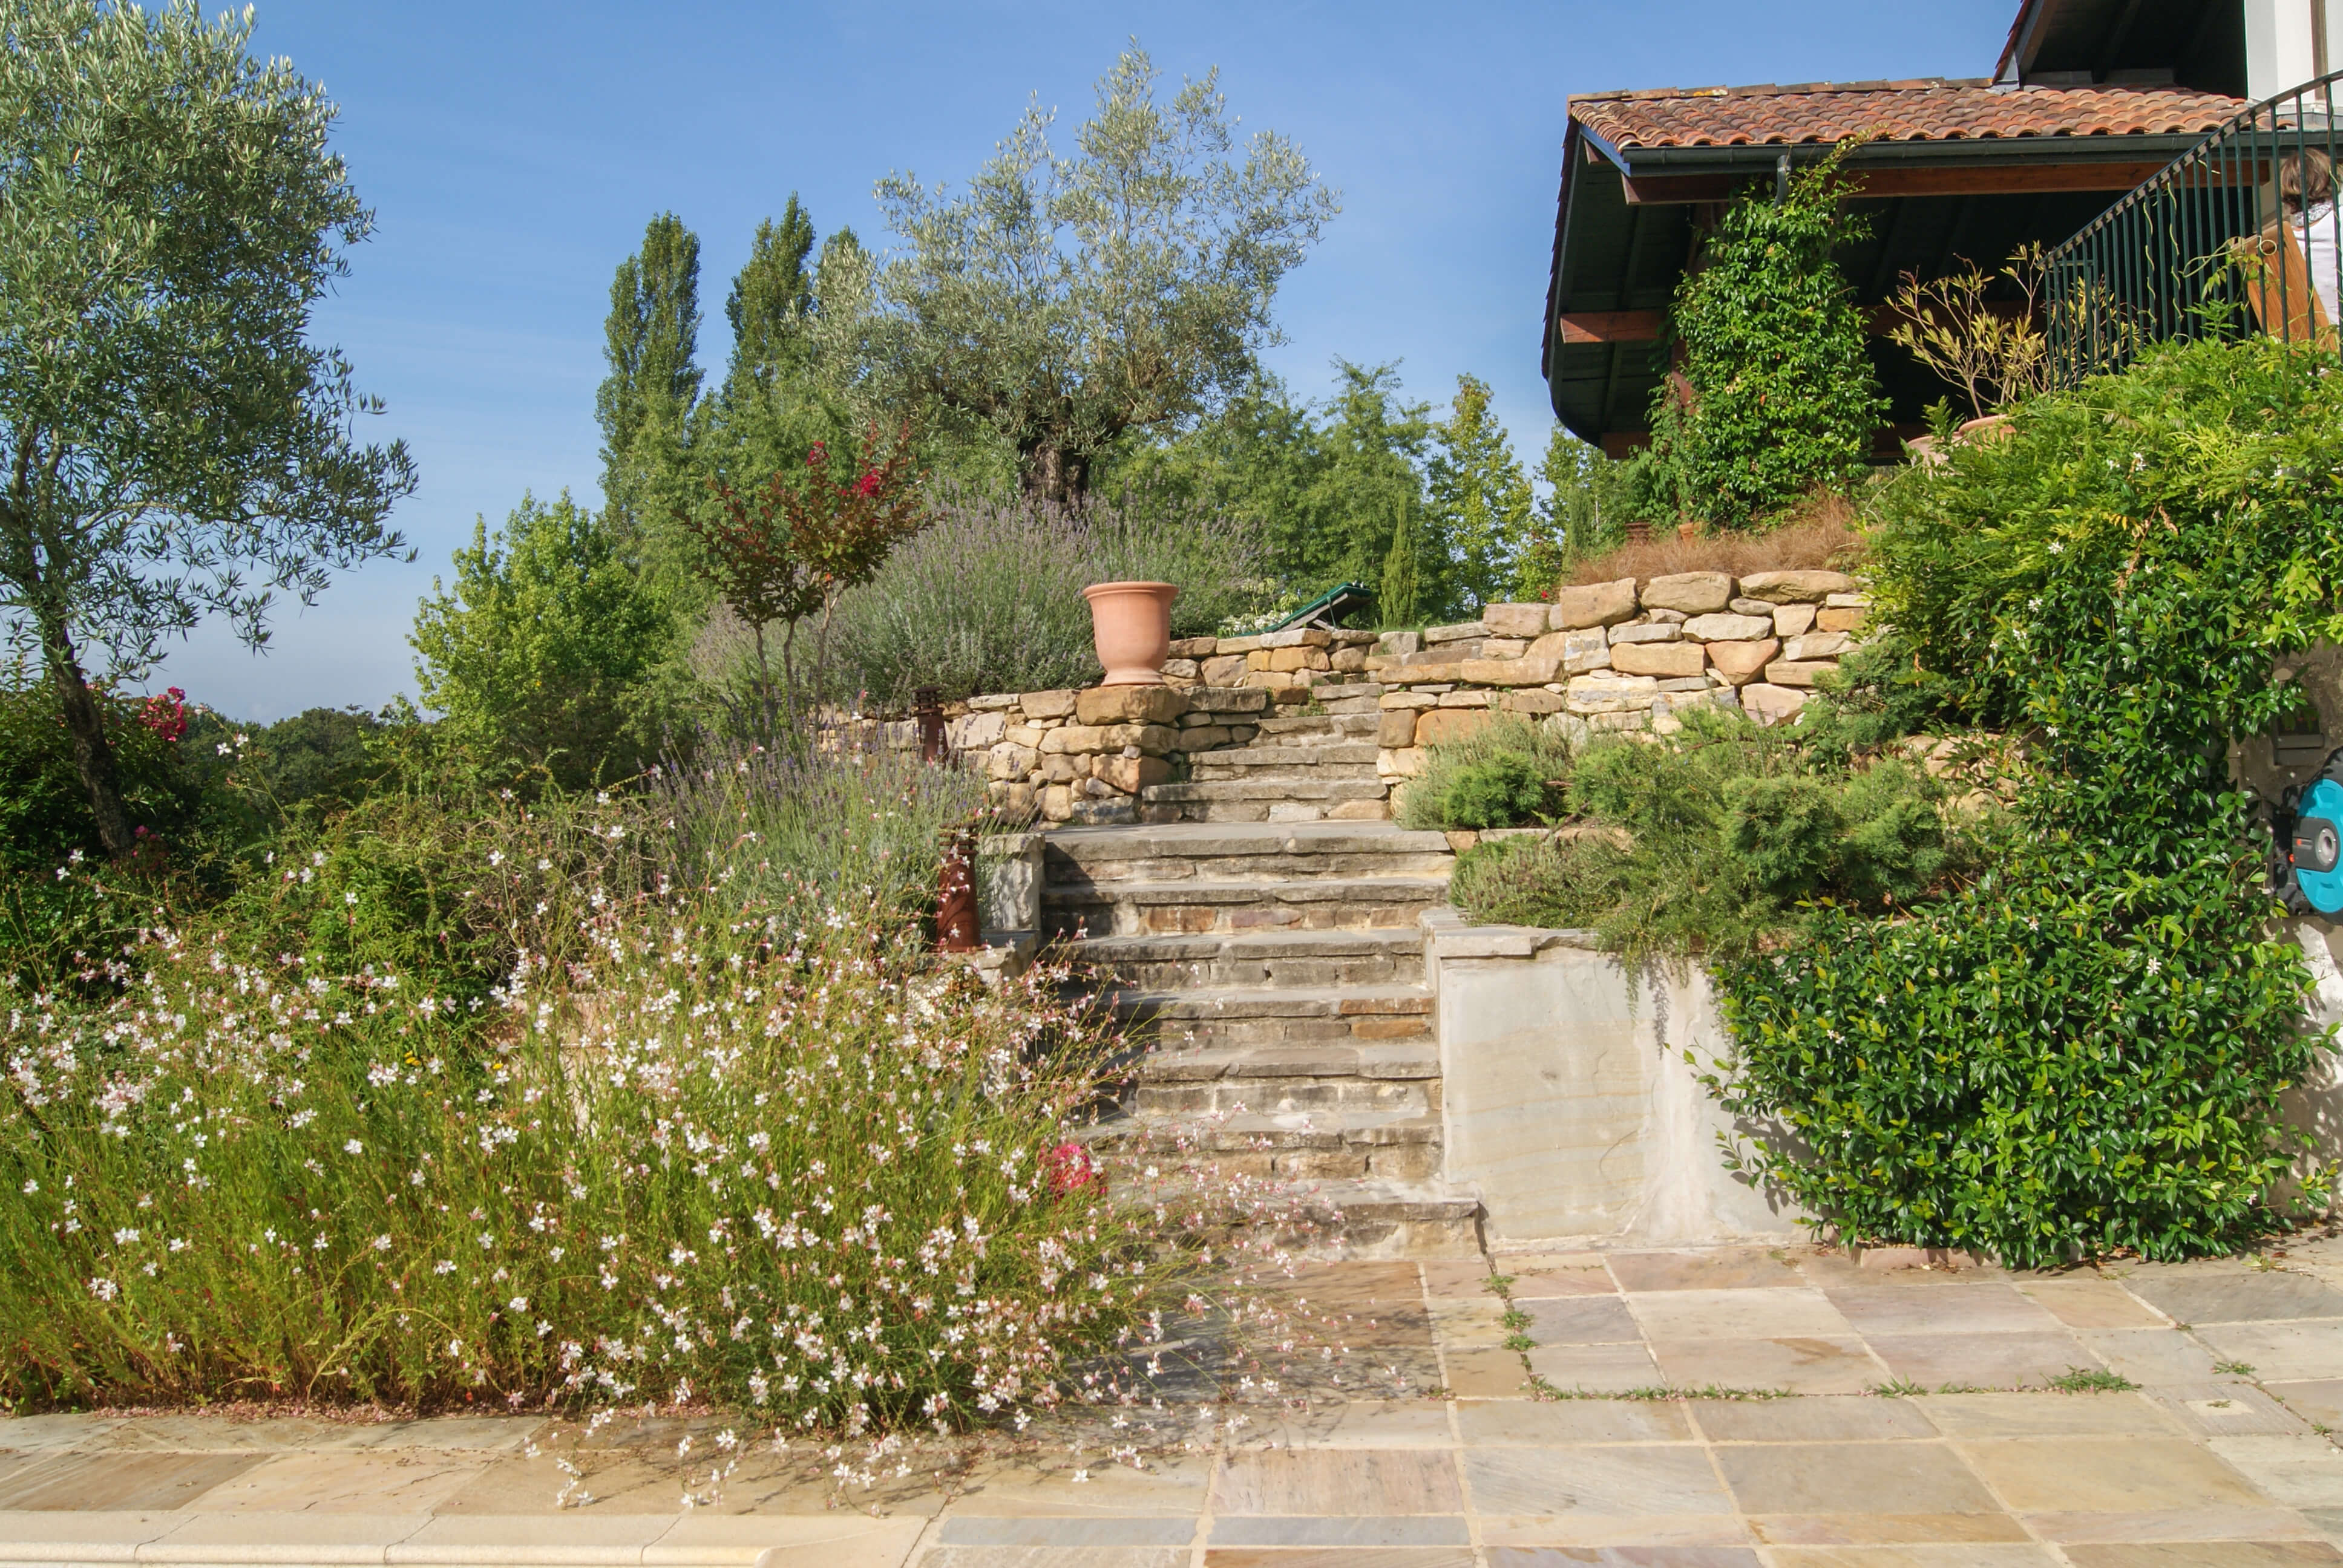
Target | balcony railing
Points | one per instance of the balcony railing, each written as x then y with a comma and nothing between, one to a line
2237,235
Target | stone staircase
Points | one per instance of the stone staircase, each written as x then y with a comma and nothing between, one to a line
1275,970
1313,766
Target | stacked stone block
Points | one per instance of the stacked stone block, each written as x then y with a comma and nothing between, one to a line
1617,656
1604,656
1084,757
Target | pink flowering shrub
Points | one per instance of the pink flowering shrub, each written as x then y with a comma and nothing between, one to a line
803,1173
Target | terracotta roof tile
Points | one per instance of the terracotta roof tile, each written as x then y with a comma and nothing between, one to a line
1922,111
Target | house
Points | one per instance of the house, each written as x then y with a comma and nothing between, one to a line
2088,99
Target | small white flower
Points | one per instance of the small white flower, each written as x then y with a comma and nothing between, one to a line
353,1147
382,1243
349,897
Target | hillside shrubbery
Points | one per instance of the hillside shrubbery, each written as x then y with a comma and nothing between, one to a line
1714,840
2083,1048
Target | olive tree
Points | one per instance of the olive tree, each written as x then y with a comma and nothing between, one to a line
171,444
1062,300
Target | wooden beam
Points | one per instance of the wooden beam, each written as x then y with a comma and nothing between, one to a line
1613,326
2007,180
1645,326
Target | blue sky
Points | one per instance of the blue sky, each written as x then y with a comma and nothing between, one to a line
512,150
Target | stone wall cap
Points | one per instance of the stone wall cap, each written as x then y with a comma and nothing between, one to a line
1434,635
1448,943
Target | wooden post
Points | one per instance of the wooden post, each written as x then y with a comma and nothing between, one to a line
930,712
957,924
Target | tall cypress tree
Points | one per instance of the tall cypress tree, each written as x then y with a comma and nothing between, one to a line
1400,596
652,339
771,295
1480,495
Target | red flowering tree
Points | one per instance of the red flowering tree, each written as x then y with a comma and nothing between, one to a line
782,553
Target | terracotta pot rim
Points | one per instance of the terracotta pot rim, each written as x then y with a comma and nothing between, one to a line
1127,587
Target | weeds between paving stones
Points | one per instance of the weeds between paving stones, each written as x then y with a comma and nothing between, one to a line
2235,1369
2092,1380
1501,1287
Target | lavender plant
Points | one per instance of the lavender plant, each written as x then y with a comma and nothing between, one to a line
990,597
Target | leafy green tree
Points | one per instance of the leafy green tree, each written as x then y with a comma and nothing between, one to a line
549,651
1779,395
1480,495
651,342
772,298
1065,300
172,443
1255,458
776,402
1369,493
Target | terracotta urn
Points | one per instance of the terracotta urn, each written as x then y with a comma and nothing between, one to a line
1130,625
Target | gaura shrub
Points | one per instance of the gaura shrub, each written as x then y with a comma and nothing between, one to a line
2084,1051
828,1186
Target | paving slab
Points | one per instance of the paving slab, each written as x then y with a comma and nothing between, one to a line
2218,1455
2129,1474
2238,1297
1585,1479
1798,1364
2277,1352
1750,1312
1983,1361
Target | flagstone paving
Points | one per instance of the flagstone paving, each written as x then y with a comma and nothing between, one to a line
1722,1408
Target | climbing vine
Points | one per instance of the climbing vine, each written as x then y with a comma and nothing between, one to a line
1778,395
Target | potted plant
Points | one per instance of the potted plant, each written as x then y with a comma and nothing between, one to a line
1130,625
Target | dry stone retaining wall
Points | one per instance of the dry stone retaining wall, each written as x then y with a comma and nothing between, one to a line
1619,656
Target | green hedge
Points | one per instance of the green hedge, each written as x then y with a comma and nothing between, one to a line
2084,1049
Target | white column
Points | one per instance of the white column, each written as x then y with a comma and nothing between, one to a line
2282,44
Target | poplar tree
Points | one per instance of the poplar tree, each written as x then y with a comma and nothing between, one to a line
771,297
651,341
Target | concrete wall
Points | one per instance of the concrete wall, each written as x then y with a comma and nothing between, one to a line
1571,1109
1573,1105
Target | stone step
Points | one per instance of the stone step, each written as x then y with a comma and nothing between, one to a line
1353,1145
1171,813
1255,958
1374,1218
1241,851
1354,758
1243,1018
1302,726
1193,908
1388,1078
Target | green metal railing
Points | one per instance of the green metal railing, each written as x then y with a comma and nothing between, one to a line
2237,235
